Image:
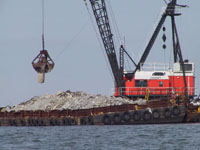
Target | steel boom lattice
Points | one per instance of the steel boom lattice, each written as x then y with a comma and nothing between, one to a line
101,16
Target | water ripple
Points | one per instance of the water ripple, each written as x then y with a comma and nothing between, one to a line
133,137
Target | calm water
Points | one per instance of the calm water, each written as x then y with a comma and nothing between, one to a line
158,137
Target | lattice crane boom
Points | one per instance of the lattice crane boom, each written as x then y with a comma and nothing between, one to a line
101,16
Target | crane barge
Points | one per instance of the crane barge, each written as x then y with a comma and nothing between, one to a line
137,83
167,93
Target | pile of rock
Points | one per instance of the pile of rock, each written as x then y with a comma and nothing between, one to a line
71,100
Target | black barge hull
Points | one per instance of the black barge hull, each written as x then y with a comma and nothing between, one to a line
161,115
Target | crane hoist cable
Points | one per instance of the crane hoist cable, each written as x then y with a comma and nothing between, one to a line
43,44
85,2
114,22
74,38
42,63
116,29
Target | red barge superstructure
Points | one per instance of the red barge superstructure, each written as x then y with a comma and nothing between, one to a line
161,81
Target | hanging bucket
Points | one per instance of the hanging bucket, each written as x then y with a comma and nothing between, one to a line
42,64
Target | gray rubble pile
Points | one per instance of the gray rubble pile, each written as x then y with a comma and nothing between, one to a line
73,101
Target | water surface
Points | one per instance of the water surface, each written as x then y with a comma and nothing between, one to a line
132,137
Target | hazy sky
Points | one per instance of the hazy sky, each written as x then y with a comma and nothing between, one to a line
72,43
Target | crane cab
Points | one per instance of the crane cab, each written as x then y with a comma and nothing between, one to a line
159,80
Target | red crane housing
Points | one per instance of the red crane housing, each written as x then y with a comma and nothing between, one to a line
159,82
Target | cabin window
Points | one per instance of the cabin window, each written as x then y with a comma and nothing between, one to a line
161,84
187,67
141,83
158,74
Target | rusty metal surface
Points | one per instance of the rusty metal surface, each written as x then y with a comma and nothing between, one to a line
94,115
63,118
118,115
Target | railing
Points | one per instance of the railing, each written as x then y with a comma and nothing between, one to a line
177,10
154,66
153,91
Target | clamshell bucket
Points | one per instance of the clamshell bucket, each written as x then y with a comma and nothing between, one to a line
42,64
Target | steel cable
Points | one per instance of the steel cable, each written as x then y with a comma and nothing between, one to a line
72,39
98,39
43,17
